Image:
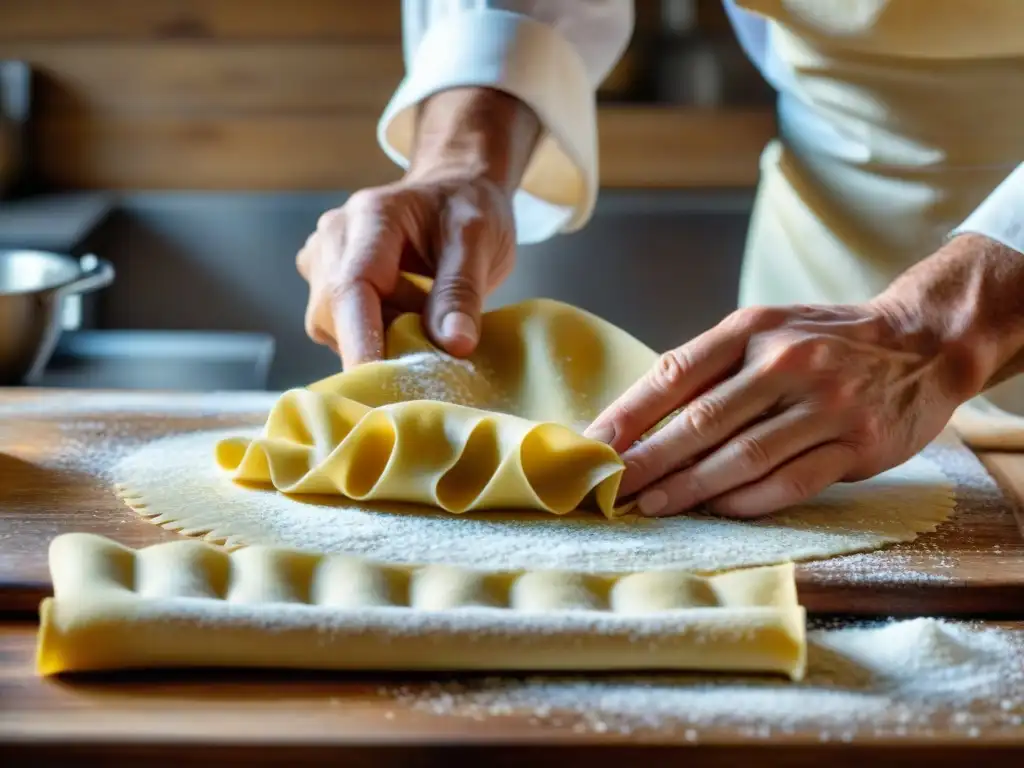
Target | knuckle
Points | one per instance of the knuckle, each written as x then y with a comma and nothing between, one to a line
670,370
758,318
366,204
697,487
456,290
783,357
805,355
703,416
867,425
642,464
329,220
834,394
362,199
653,463
823,356
750,454
336,291
830,394
794,488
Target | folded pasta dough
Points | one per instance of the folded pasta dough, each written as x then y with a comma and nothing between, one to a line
187,604
498,430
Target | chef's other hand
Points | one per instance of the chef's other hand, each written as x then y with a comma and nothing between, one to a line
449,218
774,404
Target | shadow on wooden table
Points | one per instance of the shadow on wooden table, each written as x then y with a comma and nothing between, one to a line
23,482
826,669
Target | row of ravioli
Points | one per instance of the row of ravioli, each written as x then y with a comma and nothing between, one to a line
263,575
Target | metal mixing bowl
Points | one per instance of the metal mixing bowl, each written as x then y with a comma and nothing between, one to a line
33,285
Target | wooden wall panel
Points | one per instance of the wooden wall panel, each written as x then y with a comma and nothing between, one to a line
208,94
280,94
663,147
640,148
238,152
186,79
77,20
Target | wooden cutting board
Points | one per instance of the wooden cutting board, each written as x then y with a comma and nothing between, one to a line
973,565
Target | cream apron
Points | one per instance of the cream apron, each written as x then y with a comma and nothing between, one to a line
916,111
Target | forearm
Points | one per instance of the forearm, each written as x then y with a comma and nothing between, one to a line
474,132
549,55
967,300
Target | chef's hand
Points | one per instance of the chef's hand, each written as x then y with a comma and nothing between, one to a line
775,404
449,218
457,231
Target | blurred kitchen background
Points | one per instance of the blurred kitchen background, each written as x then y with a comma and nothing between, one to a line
194,143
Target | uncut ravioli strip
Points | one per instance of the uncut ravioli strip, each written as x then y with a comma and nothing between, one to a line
497,431
186,604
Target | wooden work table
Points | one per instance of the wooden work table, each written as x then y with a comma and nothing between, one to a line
287,718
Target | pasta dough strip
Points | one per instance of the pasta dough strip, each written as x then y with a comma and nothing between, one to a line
187,604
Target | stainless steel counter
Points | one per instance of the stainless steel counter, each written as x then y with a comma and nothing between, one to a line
164,360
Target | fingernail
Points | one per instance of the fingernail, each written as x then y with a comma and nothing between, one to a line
603,434
652,502
458,326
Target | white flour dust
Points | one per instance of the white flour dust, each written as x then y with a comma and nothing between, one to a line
176,482
438,376
90,431
158,404
912,677
887,566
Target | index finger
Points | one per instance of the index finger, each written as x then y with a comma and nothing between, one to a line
676,378
355,300
358,324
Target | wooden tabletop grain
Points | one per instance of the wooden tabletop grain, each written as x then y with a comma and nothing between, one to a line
296,719
288,718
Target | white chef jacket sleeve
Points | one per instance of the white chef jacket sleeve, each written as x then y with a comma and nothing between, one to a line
1001,215
551,55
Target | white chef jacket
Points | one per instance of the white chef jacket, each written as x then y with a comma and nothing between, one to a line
552,55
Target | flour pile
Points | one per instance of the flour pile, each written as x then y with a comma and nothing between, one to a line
912,677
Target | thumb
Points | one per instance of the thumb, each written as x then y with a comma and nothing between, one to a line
455,304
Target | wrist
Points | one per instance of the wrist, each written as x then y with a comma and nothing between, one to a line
965,305
473,133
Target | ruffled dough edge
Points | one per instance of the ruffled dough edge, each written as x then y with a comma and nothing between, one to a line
453,457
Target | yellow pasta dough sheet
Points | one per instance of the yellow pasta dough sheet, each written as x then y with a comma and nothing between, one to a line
187,604
499,430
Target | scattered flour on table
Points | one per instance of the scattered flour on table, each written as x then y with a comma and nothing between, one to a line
923,676
887,566
157,404
89,432
912,677
180,486
930,561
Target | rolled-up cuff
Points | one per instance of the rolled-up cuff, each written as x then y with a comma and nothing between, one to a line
1001,215
533,62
